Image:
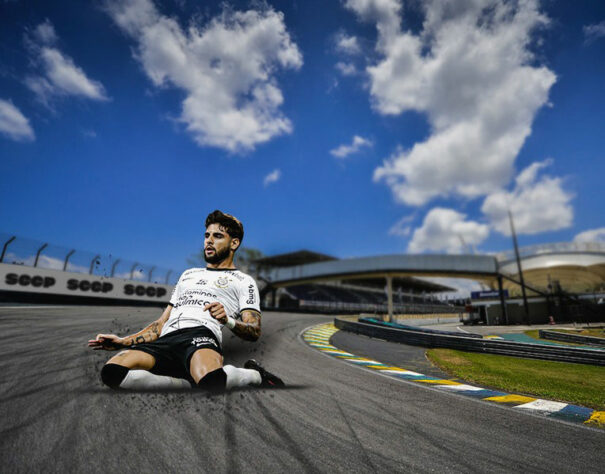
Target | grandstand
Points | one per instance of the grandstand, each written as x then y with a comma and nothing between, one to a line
411,295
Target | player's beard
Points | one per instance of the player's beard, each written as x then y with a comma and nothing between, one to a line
218,256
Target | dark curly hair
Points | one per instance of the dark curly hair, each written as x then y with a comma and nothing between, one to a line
232,224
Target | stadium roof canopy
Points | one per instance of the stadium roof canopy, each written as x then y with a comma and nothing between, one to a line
305,257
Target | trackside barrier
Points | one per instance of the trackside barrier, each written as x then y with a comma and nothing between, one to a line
18,282
575,338
488,346
414,328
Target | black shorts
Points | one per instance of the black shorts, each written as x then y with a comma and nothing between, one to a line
173,351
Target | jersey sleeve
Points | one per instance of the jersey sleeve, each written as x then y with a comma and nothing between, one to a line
249,297
176,292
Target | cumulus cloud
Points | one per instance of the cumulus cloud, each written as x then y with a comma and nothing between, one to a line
227,69
356,145
59,75
346,69
272,177
471,71
347,44
402,228
594,32
13,124
446,230
537,204
592,235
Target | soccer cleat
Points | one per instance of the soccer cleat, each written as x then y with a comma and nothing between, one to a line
267,378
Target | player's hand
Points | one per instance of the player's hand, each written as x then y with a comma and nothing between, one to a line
217,311
106,342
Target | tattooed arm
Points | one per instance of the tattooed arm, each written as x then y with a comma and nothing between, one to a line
249,326
111,342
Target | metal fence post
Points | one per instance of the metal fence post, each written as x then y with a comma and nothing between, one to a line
71,252
92,262
168,275
113,267
6,244
151,272
38,254
132,270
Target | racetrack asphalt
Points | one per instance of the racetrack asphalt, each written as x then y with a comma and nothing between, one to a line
57,416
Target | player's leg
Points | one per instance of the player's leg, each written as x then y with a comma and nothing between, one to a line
208,372
129,370
116,369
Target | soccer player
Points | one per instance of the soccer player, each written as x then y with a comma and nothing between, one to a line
184,345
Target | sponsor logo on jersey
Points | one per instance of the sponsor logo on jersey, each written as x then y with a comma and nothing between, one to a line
237,275
222,282
251,298
202,282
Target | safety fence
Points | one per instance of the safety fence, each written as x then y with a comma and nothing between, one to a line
574,338
17,250
336,307
460,342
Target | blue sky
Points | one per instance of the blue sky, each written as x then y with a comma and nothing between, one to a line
352,128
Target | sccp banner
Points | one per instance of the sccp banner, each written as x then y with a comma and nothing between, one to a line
56,282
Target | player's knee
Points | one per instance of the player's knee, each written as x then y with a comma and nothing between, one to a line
214,381
112,375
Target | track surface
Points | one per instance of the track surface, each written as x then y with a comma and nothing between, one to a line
56,416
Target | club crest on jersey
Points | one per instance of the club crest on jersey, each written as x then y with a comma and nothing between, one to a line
222,282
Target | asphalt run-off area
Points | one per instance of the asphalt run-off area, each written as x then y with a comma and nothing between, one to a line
332,417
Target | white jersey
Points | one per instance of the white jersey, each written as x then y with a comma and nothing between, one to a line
197,287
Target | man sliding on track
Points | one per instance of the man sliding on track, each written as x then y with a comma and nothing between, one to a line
185,342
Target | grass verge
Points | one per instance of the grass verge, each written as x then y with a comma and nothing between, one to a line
572,383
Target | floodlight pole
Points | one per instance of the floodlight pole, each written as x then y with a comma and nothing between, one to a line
516,245
38,254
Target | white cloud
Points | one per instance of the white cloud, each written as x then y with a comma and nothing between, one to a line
346,69
402,228
594,32
347,44
447,230
592,235
537,205
227,70
14,124
345,150
272,177
60,75
471,71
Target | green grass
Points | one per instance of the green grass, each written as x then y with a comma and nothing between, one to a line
572,383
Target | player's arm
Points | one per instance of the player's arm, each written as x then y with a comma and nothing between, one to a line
247,328
111,342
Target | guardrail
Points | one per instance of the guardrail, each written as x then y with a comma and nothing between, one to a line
490,346
575,338
413,328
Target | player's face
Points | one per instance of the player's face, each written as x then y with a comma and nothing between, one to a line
217,244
